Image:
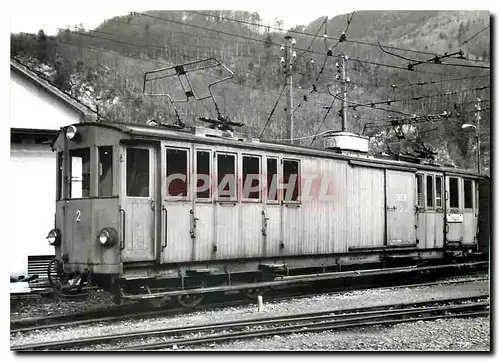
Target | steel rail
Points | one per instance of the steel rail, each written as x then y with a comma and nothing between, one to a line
370,311
334,325
82,318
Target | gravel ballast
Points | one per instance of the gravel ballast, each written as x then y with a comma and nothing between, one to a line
441,335
298,305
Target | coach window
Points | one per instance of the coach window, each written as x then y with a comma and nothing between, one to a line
430,191
420,190
203,179
80,173
251,177
177,172
137,172
105,171
291,178
454,198
226,176
468,194
439,192
59,175
272,179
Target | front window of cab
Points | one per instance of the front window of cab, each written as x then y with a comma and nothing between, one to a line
79,185
105,156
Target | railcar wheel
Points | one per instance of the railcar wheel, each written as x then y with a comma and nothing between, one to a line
54,272
193,300
253,293
190,301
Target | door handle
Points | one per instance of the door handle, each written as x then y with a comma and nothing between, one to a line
122,229
164,238
193,224
264,226
152,204
391,208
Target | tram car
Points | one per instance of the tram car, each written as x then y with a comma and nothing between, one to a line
152,210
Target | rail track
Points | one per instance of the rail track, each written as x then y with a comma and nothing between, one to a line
280,325
130,311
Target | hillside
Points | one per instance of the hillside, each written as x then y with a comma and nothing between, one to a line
105,68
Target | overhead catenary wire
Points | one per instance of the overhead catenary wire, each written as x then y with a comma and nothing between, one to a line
328,54
269,118
310,34
419,83
98,49
323,122
263,41
315,102
389,101
473,36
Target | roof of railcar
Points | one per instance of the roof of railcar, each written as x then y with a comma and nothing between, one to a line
136,131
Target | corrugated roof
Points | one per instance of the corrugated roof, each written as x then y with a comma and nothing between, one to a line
88,114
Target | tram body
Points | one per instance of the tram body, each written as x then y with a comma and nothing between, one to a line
124,214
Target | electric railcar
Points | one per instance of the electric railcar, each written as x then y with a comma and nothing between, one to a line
132,214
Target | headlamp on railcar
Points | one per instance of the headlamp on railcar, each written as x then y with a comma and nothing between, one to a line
54,237
71,132
107,237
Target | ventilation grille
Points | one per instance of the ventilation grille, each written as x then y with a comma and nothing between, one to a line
37,265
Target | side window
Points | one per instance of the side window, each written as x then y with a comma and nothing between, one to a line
454,198
251,177
226,176
203,179
420,190
105,171
291,178
60,161
80,173
439,192
177,172
137,172
430,191
468,194
272,179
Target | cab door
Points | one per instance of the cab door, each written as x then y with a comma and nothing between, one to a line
454,209
429,211
138,203
400,211
177,213
272,212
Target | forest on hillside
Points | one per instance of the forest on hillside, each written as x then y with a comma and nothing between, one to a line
104,68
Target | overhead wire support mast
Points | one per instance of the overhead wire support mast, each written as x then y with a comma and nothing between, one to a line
287,61
341,76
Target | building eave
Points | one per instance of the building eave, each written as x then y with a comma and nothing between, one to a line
87,114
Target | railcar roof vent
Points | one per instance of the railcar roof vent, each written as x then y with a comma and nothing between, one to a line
224,134
346,142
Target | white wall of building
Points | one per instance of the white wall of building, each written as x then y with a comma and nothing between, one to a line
33,170
33,107
32,202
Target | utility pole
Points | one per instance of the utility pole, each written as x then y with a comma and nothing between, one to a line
341,76
478,141
287,61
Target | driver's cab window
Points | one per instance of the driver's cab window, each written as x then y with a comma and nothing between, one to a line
137,172
105,171
80,173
